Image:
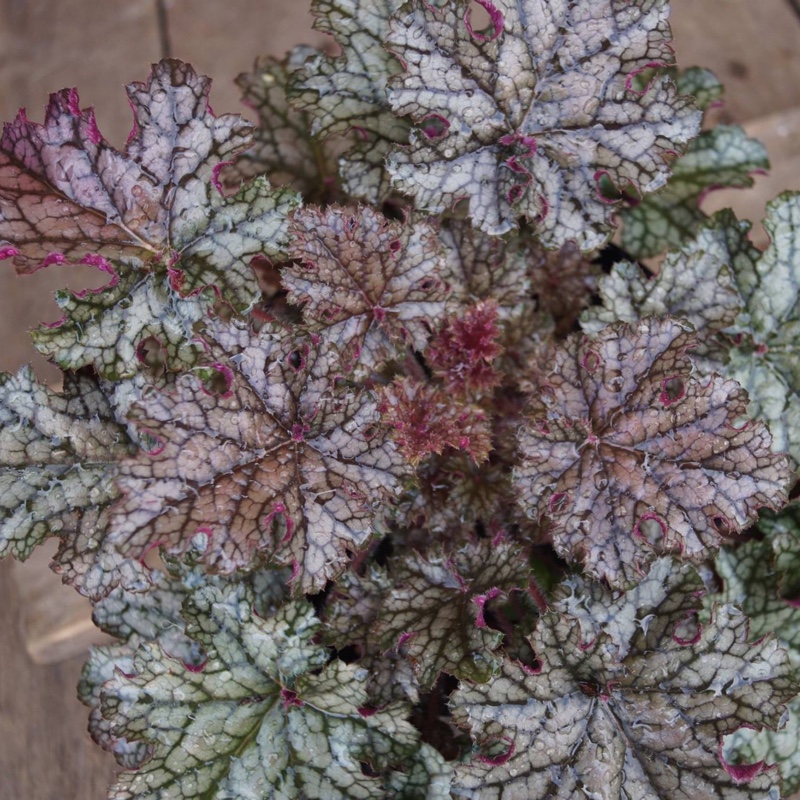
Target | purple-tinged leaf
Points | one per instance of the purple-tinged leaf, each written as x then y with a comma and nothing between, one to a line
367,284
532,114
638,713
286,461
152,216
629,456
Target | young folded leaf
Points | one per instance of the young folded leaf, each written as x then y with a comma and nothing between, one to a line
524,118
649,724
628,455
152,216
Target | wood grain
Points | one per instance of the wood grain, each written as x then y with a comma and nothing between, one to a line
45,753
753,47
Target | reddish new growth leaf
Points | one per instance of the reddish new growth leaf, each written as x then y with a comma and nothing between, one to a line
367,284
287,461
428,420
463,351
629,456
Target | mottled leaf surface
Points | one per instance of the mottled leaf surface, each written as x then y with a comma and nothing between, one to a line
751,579
628,455
523,118
366,283
702,85
284,149
765,361
285,461
434,613
592,722
695,282
101,665
260,719
152,214
348,92
58,453
782,531
350,619
719,158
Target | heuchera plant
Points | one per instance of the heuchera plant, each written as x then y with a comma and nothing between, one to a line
390,475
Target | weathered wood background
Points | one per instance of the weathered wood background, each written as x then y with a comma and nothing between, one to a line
45,45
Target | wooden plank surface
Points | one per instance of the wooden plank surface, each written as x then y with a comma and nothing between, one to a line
45,45
752,45
45,751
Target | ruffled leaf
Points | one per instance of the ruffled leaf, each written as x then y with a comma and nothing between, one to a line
628,455
648,724
367,284
284,149
524,118
287,461
434,615
695,282
152,216
719,158
58,453
765,361
259,716
348,92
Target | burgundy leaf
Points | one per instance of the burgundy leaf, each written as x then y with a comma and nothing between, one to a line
628,455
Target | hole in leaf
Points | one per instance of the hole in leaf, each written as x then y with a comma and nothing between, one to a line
349,654
367,770
640,81
296,360
687,631
152,354
652,529
434,126
484,20
722,526
217,379
672,390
